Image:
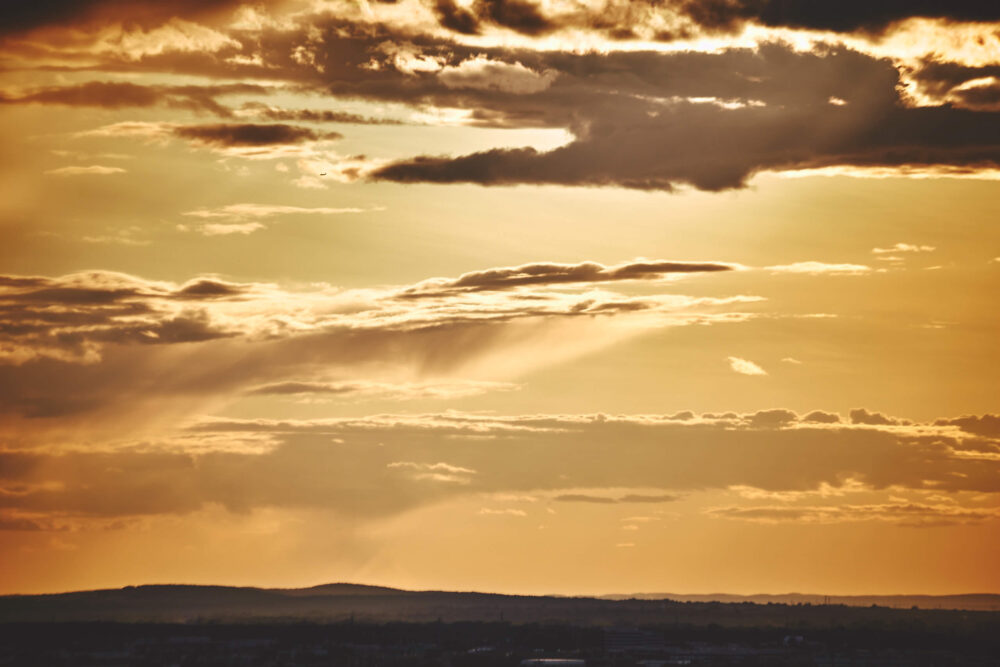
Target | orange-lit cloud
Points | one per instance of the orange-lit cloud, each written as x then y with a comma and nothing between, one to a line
107,334
386,463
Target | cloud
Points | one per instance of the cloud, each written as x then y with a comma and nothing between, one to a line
435,472
677,19
238,212
106,334
485,74
903,247
862,416
505,278
614,500
502,512
15,522
524,16
381,465
250,135
245,218
770,418
849,16
612,19
653,118
128,236
360,389
125,95
745,367
904,514
260,110
818,268
94,169
820,417
29,16
247,140
225,229
681,119
445,467
986,425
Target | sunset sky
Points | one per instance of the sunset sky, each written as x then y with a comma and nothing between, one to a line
527,296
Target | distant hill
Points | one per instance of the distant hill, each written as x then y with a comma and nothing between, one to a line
342,602
340,589
970,602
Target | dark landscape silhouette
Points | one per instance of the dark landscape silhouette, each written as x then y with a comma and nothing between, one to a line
353,624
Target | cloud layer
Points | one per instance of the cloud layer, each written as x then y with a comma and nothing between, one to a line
385,464
116,340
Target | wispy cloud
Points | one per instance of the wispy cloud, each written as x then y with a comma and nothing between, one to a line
613,500
502,512
247,218
821,268
360,389
905,514
263,337
745,367
903,247
92,170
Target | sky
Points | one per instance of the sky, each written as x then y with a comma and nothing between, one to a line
522,296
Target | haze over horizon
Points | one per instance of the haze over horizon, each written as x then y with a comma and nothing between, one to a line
363,588
519,296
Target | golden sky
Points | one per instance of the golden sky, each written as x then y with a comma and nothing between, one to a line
538,296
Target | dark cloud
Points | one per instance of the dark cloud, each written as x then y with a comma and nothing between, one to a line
773,418
862,416
264,111
937,78
820,417
986,425
24,16
616,18
456,18
715,148
643,120
120,95
72,317
208,288
102,288
655,121
511,277
292,388
382,390
250,134
523,16
843,16
985,96
959,85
